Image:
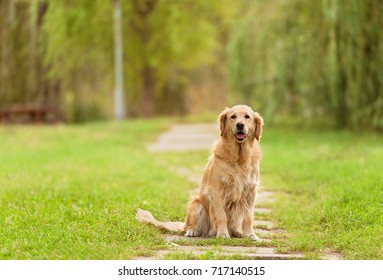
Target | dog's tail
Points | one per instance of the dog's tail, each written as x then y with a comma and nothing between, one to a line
145,217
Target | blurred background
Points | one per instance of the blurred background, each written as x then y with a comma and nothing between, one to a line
294,61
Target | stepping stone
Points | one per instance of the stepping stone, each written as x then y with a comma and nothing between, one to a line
331,255
171,238
186,137
263,231
263,224
262,210
265,194
264,197
174,238
266,253
145,258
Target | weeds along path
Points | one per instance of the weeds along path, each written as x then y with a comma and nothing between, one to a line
193,137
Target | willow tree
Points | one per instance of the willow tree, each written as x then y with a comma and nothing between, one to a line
167,39
313,59
162,40
16,51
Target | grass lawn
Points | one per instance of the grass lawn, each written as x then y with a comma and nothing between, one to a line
333,190
70,192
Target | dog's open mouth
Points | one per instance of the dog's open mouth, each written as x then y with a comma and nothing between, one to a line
240,136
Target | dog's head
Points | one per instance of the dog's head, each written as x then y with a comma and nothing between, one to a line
241,123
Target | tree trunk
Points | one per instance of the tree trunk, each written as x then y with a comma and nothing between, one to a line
341,113
6,63
147,96
142,26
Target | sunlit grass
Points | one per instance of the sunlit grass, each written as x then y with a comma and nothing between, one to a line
70,192
332,186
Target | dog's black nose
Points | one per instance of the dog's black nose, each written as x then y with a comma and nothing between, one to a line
240,125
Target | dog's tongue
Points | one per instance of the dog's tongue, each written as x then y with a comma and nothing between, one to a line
240,136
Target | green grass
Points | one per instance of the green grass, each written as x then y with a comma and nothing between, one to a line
332,190
70,192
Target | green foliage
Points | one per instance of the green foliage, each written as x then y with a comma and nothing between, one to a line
310,60
78,37
16,52
241,63
317,59
62,49
173,37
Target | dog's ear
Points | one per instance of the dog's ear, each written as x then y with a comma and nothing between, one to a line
258,125
222,120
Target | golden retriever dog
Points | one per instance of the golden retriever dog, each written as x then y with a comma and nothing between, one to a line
224,206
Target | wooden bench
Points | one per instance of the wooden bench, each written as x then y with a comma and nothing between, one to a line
23,114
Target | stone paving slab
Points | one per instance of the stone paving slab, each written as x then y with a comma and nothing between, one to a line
265,194
263,231
260,253
174,238
264,197
181,238
186,137
262,210
264,224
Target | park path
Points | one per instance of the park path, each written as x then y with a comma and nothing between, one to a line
193,137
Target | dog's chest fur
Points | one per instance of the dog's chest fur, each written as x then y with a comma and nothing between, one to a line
232,173
238,182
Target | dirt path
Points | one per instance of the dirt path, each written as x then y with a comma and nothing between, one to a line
189,137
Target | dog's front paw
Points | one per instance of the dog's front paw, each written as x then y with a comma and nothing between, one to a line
192,233
237,234
253,237
223,235
212,233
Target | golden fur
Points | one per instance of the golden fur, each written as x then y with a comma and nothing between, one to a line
224,206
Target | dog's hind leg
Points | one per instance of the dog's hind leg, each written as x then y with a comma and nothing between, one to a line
197,221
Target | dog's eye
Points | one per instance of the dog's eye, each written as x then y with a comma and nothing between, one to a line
233,117
247,117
